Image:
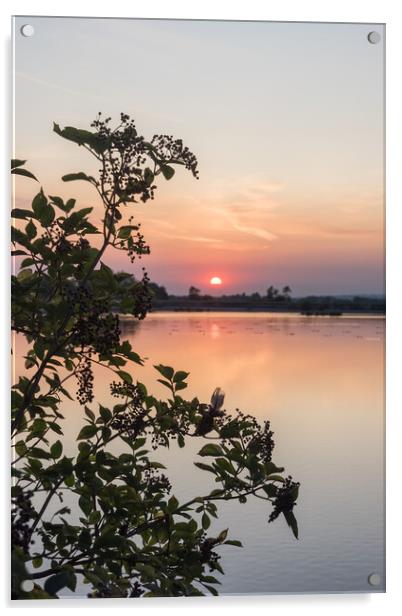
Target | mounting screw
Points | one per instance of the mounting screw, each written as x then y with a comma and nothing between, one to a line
27,585
373,37
27,30
374,579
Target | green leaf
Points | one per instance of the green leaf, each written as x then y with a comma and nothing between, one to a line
30,230
270,467
211,450
79,214
27,263
222,535
225,466
165,371
210,579
124,233
127,378
57,582
148,176
294,492
270,490
212,590
24,172
205,521
79,136
109,540
40,454
105,413
72,581
56,450
20,448
22,214
71,177
205,467
180,386
58,201
55,428
168,172
89,414
173,503
238,544
292,522
139,442
37,562
180,376
165,383
43,210
85,504
70,205
15,162
84,539
94,517
87,432
69,481
39,204
24,274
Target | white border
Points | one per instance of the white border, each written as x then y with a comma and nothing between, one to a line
381,11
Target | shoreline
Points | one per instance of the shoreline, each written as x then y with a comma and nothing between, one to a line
293,313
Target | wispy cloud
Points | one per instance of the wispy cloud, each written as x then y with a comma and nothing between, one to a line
255,231
54,86
247,207
187,237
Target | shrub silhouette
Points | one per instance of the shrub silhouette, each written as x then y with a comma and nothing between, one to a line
123,532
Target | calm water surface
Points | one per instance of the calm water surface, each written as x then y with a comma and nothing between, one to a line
320,382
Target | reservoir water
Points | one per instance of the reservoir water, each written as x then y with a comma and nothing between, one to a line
320,382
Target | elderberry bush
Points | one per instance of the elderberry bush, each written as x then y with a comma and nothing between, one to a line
124,533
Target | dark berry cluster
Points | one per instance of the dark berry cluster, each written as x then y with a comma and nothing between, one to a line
130,421
171,150
106,590
262,442
136,590
155,482
136,245
55,237
103,591
81,247
85,380
95,327
284,499
22,513
124,157
121,389
142,297
208,555
96,331
129,163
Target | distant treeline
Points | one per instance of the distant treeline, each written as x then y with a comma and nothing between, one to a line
274,300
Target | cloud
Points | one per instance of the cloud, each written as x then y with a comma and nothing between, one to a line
255,231
248,207
187,238
331,230
54,86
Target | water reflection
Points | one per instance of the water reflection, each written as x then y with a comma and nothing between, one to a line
320,381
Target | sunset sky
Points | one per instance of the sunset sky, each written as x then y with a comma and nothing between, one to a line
286,120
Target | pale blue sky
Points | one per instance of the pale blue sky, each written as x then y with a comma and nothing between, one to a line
285,118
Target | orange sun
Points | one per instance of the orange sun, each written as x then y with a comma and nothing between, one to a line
215,280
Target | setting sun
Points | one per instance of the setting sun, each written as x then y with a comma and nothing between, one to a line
216,280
